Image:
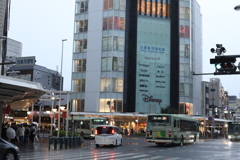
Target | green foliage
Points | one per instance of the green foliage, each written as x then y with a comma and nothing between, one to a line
62,133
169,110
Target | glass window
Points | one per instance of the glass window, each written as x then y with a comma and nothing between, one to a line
159,9
108,4
115,43
143,7
79,85
80,65
79,105
81,26
81,7
164,10
80,45
154,10
111,85
122,5
112,64
187,13
148,8
182,12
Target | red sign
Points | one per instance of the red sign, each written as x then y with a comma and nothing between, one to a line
56,115
7,110
64,114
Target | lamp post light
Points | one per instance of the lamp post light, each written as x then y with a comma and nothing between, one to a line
60,89
237,8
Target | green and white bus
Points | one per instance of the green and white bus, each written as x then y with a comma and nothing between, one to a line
233,131
85,126
171,129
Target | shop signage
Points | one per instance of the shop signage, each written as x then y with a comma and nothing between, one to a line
20,113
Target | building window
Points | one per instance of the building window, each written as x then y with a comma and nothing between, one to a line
184,31
81,26
81,7
108,5
113,43
185,50
185,89
78,85
112,64
80,45
185,13
111,85
117,23
79,65
78,104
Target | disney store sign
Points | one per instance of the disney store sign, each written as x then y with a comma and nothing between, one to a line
151,99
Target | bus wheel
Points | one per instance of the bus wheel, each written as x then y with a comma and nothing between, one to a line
97,145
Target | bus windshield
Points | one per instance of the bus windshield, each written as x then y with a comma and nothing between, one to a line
159,120
234,128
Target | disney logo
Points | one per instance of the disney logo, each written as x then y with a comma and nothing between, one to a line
150,99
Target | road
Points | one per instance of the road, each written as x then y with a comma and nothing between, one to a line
137,148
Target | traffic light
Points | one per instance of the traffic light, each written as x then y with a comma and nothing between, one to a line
224,64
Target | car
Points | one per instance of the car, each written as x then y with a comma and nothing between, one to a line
8,151
108,135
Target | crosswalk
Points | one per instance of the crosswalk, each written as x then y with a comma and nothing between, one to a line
76,154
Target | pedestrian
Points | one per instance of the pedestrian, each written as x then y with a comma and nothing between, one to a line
21,131
4,129
32,133
27,133
11,134
126,131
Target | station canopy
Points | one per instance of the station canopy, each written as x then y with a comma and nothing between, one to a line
19,93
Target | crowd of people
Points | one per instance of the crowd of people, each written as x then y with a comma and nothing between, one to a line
20,133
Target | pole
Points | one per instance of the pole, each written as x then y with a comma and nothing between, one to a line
32,111
60,88
67,114
39,114
51,119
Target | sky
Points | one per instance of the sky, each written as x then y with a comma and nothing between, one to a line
41,26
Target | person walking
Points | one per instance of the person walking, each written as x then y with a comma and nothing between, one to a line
32,133
27,133
21,131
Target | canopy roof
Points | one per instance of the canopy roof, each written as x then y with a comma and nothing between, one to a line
19,93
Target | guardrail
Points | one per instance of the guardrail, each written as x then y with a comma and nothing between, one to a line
67,142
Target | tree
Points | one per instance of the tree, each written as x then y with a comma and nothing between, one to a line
169,110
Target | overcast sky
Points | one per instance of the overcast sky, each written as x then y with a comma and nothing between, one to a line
41,26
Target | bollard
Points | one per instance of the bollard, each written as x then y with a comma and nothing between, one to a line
55,142
70,142
65,142
61,142
50,142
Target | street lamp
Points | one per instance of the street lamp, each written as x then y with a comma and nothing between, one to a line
60,89
237,8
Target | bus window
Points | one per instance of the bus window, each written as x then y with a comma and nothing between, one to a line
176,123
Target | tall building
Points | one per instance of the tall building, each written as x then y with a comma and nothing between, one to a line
137,56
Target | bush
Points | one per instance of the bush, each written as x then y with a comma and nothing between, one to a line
62,133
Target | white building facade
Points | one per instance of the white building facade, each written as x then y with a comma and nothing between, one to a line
101,68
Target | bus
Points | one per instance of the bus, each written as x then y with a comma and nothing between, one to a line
172,129
233,131
85,126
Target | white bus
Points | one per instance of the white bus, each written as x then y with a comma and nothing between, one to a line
85,126
171,129
233,131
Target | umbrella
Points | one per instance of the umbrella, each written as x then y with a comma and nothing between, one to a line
35,123
54,125
10,133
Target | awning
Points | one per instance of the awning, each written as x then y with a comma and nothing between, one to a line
19,93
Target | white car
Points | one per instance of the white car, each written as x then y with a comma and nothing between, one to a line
108,135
